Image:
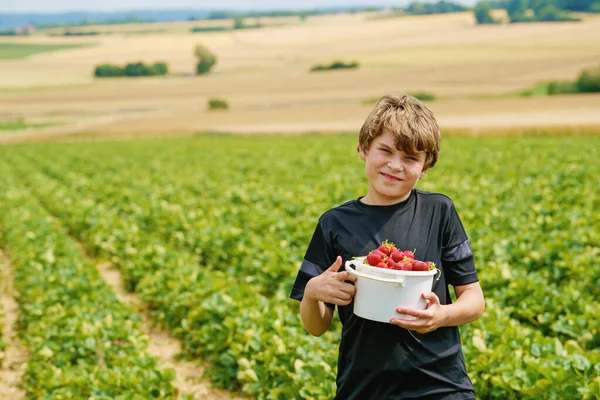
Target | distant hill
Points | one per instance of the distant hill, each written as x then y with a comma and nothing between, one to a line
43,20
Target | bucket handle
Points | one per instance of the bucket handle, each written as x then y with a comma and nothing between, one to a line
353,263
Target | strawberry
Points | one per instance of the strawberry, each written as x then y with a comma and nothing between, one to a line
384,249
374,259
431,265
390,263
397,255
409,254
382,255
420,266
382,265
405,266
393,249
396,266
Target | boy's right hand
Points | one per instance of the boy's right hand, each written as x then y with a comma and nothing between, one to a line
331,286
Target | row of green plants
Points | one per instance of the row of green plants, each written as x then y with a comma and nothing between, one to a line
83,342
213,243
234,331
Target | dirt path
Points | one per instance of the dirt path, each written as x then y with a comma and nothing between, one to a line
15,354
162,345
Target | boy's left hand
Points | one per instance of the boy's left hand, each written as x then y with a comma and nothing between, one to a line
427,320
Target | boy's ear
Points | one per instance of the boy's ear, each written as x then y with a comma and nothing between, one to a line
362,153
423,173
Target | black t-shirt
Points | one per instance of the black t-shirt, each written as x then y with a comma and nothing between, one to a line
379,360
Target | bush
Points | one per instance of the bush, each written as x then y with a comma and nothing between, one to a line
423,96
589,81
209,29
131,69
108,70
206,59
335,65
561,87
218,104
160,68
482,13
550,13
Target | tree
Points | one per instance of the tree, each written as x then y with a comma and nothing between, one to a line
482,13
517,7
589,81
238,22
206,59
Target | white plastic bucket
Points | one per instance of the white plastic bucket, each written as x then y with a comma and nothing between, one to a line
379,292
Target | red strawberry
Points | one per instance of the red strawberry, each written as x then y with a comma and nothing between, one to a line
390,263
376,251
405,266
382,265
397,255
420,266
393,249
431,265
374,259
396,266
384,249
409,254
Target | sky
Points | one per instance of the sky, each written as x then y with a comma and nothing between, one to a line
44,6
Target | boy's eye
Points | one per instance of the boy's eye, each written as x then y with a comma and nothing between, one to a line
385,150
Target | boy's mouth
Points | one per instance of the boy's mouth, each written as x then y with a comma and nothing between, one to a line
390,178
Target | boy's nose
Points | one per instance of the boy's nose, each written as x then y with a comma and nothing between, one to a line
395,165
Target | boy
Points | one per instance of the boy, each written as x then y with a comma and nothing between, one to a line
405,359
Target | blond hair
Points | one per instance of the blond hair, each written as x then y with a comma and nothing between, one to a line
411,122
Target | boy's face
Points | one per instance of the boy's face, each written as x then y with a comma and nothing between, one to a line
392,173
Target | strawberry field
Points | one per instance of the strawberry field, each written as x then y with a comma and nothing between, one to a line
209,232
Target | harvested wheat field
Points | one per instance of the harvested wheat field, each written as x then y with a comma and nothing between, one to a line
264,75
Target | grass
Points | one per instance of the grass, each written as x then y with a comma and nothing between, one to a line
10,51
20,124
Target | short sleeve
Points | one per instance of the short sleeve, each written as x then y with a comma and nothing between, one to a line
457,257
319,256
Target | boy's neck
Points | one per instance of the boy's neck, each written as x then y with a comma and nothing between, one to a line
371,201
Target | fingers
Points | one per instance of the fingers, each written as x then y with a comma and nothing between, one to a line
336,265
430,298
407,324
421,314
345,276
348,288
341,300
342,289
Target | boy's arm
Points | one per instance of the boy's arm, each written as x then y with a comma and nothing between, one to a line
469,306
316,316
329,287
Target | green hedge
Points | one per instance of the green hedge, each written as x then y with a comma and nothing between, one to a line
131,69
335,65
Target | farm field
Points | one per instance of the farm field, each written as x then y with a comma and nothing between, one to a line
161,211
474,71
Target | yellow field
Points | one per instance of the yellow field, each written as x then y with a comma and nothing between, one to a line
264,74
